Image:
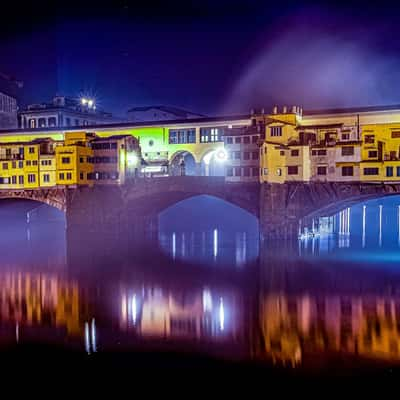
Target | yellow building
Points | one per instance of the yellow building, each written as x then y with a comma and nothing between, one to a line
74,160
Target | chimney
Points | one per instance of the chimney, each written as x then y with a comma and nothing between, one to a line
284,109
262,111
294,109
275,110
252,111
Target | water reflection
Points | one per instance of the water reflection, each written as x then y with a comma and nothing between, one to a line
210,292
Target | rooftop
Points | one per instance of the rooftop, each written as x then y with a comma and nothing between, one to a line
352,110
179,112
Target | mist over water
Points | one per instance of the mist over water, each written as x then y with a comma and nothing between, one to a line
205,285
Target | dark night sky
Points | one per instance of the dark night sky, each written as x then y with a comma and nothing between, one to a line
213,57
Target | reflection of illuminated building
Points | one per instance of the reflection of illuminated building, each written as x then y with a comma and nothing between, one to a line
39,299
156,312
368,326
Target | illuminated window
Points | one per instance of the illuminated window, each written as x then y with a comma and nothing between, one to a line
14,180
61,176
246,155
321,152
348,151
279,172
293,170
370,139
229,140
31,178
211,134
229,171
21,179
347,171
237,155
238,171
265,171
52,122
371,171
246,140
42,122
238,140
69,176
276,130
179,136
20,164
345,136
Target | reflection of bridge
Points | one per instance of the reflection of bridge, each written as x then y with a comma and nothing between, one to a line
279,207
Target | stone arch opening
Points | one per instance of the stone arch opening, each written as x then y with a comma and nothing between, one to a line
213,162
183,163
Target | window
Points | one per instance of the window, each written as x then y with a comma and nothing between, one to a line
348,151
276,131
229,140
255,171
46,162
31,150
90,176
246,171
65,160
279,172
321,170
396,134
81,175
76,122
246,140
373,154
237,155
255,155
61,176
21,179
46,178
31,178
246,155
179,136
321,152
14,180
345,136
294,153
265,171
14,164
229,171
21,151
347,171
34,162
28,163
398,171
293,170
238,171
389,171
371,171
32,123
42,122
52,121
67,121
81,160
254,139
20,164
238,140
370,139
5,165
282,152
69,176
211,134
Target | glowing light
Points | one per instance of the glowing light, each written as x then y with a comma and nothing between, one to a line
221,315
134,309
174,245
94,340
221,155
87,339
363,226
90,103
84,101
207,300
132,159
215,243
380,225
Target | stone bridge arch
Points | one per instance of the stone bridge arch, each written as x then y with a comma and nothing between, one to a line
283,206
53,197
